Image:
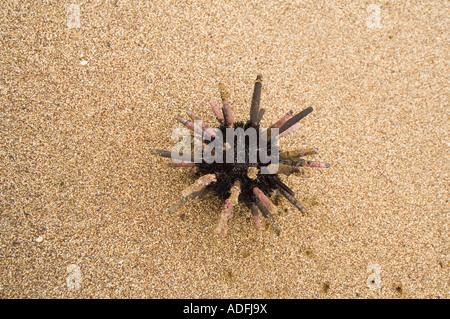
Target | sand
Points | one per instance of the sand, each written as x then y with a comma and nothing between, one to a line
83,101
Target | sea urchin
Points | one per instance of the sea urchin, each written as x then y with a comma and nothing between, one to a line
237,171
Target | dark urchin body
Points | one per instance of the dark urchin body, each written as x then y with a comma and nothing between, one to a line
243,181
228,173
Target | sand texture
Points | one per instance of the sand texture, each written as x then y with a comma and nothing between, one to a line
84,99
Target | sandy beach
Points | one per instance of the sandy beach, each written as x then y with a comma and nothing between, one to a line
88,88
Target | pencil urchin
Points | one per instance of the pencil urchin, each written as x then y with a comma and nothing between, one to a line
238,171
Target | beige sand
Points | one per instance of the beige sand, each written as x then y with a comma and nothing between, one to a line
82,200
